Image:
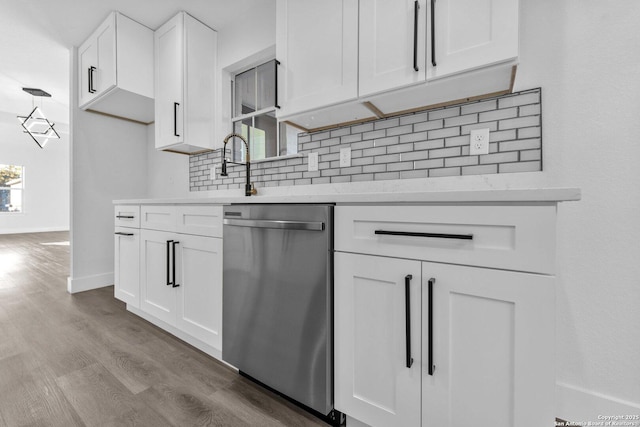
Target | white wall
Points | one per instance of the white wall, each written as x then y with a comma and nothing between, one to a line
46,193
586,57
108,161
166,171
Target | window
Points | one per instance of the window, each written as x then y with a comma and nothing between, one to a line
254,115
11,188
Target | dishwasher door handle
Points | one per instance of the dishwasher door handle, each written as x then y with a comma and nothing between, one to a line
283,225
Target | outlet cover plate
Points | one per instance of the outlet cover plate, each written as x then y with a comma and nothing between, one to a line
479,142
345,157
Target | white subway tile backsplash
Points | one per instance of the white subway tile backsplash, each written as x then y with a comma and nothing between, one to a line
423,145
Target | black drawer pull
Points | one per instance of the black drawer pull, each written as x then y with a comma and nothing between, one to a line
407,324
120,233
169,282
435,235
125,216
431,368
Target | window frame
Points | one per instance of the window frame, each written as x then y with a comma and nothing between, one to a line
21,189
252,116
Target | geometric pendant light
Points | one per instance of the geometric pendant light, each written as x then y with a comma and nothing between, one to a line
36,124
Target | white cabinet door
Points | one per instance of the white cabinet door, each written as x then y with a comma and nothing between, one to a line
97,62
157,295
372,381
392,44
169,104
185,77
493,330
199,272
470,34
317,46
127,265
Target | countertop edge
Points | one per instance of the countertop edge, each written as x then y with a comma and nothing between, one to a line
539,195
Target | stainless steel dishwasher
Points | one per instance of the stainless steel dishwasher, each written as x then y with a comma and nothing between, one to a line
278,300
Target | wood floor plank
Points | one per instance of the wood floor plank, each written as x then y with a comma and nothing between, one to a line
268,404
82,359
30,396
100,399
182,407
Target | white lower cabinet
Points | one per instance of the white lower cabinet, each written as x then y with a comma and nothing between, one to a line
127,265
437,344
489,334
492,347
168,269
181,282
372,381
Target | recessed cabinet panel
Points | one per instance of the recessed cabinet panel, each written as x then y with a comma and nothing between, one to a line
127,265
317,46
169,77
500,237
115,73
471,34
392,44
185,78
373,382
127,216
157,294
200,295
492,334
200,220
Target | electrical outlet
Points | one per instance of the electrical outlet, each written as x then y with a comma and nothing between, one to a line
212,173
313,162
345,157
479,142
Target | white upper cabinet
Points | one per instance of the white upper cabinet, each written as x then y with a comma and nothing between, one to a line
185,73
392,44
115,70
347,61
317,46
470,34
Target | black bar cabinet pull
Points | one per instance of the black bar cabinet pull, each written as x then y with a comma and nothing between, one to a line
435,235
175,118
276,85
407,310
433,32
416,8
120,233
91,70
125,216
169,282
430,368
174,283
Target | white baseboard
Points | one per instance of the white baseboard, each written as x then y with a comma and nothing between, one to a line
32,230
81,284
582,405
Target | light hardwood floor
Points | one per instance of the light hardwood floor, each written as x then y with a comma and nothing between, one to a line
83,360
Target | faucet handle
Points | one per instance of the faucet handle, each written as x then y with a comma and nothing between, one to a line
254,190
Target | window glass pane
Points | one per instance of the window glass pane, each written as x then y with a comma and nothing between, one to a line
261,132
236,145
11,185
266,76
245,93
288,139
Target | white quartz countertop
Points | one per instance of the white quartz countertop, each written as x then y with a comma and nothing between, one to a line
457,196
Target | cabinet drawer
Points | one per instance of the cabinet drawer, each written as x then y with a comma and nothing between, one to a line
199,220
127,216
520,238
158,217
